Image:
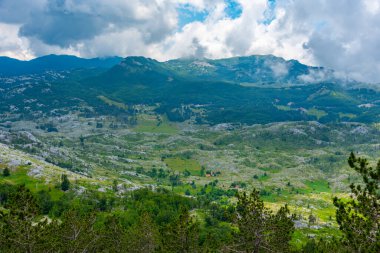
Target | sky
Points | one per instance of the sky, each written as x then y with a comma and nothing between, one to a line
343,35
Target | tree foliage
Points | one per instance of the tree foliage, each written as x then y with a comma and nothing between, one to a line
182,235
65,183
6,172
359,217
21,229
261,230
144,235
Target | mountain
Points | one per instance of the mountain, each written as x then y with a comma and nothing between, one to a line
13,67
251,70
255,89
196,127
248,90
255,69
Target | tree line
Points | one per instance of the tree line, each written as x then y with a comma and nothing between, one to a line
161,221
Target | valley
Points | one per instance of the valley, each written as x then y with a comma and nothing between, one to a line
141,125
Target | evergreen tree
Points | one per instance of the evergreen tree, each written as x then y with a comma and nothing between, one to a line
81,139
6,172
65,183
44,201
259,229
323,245
181,236
113,236
20,228
115,186
76,233
144,236
359,217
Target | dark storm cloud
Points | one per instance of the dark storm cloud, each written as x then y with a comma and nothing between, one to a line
67,22
63,29
19,11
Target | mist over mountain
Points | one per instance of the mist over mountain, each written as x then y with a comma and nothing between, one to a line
258,69
255,89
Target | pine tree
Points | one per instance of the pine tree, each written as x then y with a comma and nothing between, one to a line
6,172
260,230
115,186
359,217
113,236
76,232
182,236
65,183
20,229
144,236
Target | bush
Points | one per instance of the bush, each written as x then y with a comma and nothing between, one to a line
6,172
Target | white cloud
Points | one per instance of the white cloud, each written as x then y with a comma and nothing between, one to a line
339,34
279,69
11,44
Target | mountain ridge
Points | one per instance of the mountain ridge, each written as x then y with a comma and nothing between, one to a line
262,69
13,67
248,90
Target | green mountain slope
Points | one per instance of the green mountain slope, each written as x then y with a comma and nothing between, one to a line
13,67
206,91
216,87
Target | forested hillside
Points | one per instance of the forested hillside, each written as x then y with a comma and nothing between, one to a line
158,220
246,154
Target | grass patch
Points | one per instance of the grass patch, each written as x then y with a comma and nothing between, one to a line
317,113
301,236
270,169
283,108
318,186
263,177
113,103
153,124
19,176
347,115
181,165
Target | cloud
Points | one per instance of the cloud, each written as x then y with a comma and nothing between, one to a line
339,34
279,69
65,23
11,44
315,76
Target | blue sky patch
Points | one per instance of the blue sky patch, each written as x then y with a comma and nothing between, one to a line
233,9
270,14
188,14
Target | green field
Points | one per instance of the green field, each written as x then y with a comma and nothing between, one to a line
317,113
150,124
182,165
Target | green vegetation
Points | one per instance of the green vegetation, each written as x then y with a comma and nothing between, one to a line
65,183
284,108
146,124
163,152
149,222
317,113
359,217
183,165
260,229
347,115
318,186
162,221
113,103
6,172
